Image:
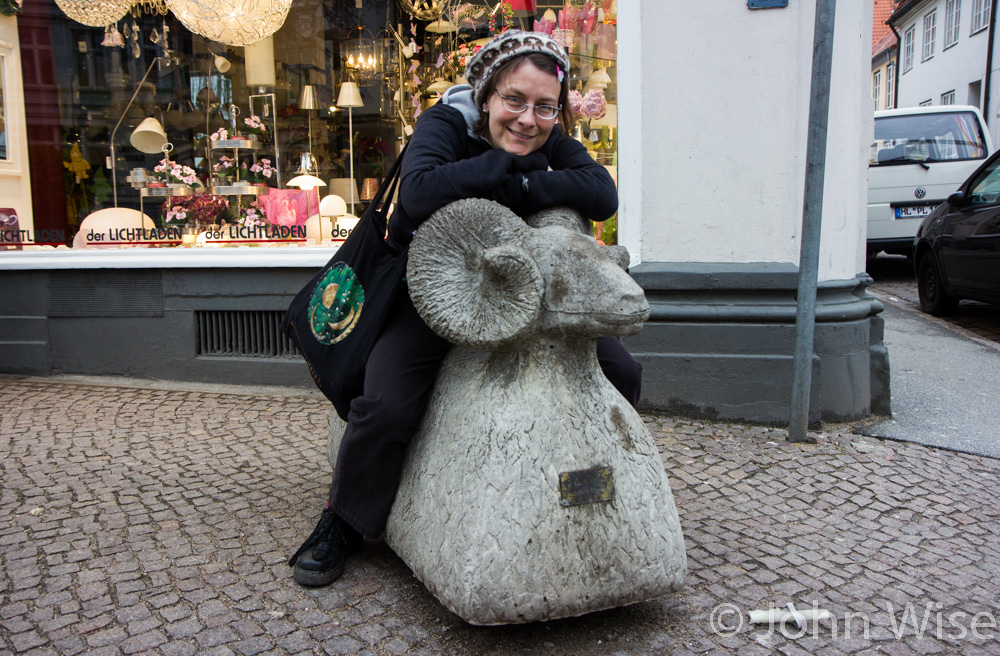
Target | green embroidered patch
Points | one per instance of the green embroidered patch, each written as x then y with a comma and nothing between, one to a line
336,303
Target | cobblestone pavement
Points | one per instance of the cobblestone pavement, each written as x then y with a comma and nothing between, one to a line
895,283
158,521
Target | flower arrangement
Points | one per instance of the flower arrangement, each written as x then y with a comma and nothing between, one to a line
10,7
505,20
172,172
254,125
220,135
197,210
250,216
374,151
591,105
261,171
225,167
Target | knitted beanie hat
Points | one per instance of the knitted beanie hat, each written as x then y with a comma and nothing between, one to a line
505,47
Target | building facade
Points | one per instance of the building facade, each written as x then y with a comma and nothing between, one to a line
943,52
711,187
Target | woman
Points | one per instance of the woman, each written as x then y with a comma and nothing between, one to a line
495,138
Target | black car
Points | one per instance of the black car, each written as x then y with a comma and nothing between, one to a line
956,252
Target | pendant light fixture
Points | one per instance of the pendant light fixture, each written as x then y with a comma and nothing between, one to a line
95,13
233,23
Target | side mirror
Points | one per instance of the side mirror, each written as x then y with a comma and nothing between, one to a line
956,198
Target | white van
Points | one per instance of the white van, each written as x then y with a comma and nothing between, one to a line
920,155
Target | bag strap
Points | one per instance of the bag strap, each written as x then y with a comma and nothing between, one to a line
379,210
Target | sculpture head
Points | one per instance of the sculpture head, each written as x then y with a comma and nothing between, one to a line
483,278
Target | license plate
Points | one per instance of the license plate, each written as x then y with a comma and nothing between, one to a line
913,211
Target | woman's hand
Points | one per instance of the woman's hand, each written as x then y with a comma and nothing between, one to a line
536,161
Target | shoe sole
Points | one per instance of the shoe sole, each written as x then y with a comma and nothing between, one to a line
314,579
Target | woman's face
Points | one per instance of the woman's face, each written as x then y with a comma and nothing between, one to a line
524,133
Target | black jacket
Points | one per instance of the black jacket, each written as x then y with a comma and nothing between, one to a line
443,163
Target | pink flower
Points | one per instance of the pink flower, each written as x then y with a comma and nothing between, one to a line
594,104
545,26
575,102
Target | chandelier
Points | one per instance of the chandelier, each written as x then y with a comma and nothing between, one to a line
95,13
151,7
360,56
233,22
425,10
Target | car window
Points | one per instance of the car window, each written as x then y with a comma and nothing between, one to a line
985,188
942,137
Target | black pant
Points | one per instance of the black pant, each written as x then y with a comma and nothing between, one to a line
399,377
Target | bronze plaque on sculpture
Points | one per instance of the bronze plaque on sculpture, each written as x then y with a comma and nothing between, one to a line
586,486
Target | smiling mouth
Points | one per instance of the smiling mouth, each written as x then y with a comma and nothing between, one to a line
520,135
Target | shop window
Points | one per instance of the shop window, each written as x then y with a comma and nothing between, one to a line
238,122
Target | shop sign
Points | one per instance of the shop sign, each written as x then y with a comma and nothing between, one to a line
766,4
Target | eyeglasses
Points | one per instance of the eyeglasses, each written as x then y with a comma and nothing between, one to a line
517,106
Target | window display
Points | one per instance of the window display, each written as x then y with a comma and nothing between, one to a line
219,132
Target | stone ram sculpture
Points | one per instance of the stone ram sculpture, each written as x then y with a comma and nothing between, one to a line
533,490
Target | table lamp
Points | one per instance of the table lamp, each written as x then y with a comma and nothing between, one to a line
350,97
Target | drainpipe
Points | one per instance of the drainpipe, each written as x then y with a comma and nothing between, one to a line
989,63
899,52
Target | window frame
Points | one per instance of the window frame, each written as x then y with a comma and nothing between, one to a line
952,21
930,25
909,46
876,87
948,97
890,86
980,16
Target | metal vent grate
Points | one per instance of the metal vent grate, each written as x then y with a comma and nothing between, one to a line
105,294
244,333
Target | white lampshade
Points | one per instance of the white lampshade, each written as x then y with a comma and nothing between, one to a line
222,64
344,187
599,79
332,205
306,182
441,26
350,95
149,136
440,86
260,63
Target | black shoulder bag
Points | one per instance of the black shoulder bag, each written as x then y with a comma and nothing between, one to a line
335,319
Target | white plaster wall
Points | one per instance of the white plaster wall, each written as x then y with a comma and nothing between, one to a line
713,120
15,184
953,69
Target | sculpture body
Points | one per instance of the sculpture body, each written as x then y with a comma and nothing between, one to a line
533,490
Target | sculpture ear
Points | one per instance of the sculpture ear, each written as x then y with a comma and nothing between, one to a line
470,278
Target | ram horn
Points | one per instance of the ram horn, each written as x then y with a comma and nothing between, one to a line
469,276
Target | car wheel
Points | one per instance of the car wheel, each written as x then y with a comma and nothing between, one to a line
934,299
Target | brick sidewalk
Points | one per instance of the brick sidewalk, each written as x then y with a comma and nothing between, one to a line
156,521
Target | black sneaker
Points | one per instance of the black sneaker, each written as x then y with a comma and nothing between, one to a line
320,560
